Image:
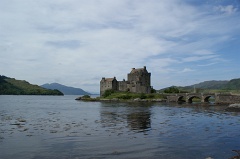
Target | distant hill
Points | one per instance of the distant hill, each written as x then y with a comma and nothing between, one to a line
11,86
65,89
211,86
233,84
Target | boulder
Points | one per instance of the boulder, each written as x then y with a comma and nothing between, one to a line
233,107
157,100
137,99
78,98
114,99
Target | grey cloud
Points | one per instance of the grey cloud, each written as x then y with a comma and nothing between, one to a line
208,64
229,9
107,38
69,44
199,58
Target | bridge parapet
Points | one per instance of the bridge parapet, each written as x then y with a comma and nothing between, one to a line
220,98
189,96
227,99
172,98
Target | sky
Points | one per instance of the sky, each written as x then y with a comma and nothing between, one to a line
77,42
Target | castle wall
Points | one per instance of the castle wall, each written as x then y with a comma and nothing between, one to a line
139,81
145,79
142,89
122,86
106,84
132,87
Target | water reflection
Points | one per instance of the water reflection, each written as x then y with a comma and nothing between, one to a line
136,118
139,121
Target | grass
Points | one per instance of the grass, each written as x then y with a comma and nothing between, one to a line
128,95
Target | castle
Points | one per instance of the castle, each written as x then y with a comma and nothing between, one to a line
139,81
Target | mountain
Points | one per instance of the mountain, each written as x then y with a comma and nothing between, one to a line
211,86
11,86
65,89
233,84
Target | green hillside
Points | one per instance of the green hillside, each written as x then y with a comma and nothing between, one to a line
209,85
11,86
232,86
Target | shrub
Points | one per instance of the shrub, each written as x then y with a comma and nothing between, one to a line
153,90
150,96
125,96
86,96
108,92
171,90
142,96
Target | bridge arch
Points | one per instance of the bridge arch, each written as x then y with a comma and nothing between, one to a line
190,98
206,98
181,99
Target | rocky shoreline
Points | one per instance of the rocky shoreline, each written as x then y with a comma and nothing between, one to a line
231,108
120,100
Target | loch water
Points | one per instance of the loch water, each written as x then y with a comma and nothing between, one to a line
59,127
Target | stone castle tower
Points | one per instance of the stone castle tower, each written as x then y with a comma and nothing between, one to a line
139,81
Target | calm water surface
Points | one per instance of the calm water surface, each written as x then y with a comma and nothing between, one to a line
58,127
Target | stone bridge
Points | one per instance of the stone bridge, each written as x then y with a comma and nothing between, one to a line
220,98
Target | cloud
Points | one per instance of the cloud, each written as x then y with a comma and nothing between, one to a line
77,42
199,58
203,52
229,9
186,70
70,44
205,65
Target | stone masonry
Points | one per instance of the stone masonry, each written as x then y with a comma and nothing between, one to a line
139,81
225,98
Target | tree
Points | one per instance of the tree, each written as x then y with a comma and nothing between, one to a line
86,96
143,96
108,92
172,89
153,90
